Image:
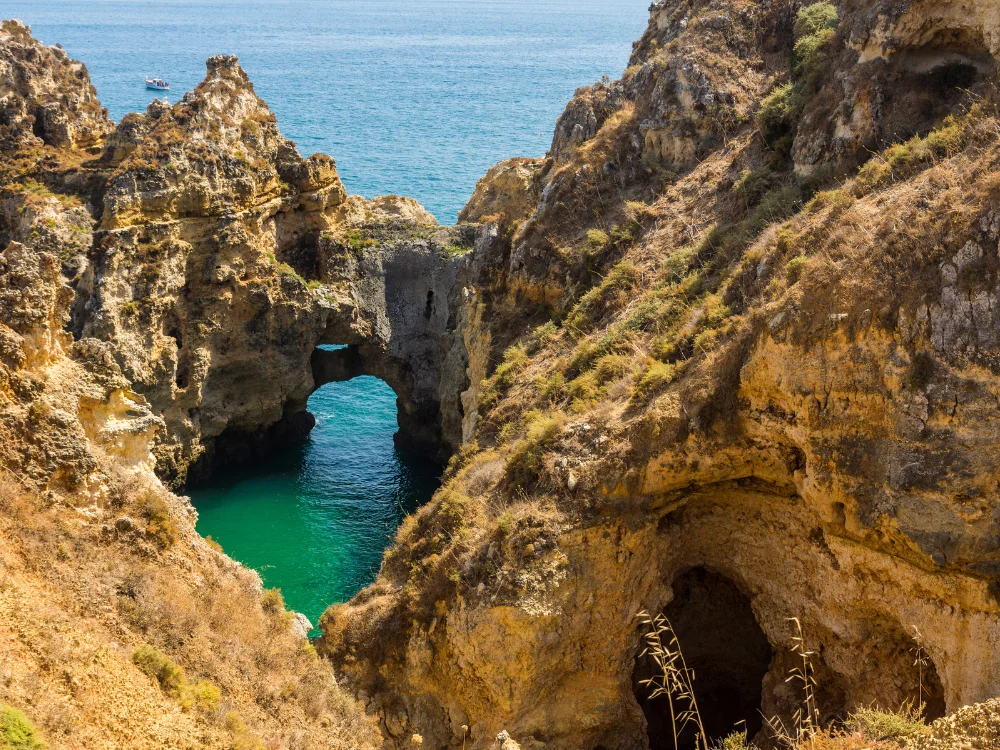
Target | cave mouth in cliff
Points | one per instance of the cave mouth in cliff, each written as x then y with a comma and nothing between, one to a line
727,650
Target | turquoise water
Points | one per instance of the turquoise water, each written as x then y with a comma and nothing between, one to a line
315,520
417,97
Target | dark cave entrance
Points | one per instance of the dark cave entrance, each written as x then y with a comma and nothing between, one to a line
728,652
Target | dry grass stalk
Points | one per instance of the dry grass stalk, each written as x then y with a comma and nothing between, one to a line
806,718
920,662
675,681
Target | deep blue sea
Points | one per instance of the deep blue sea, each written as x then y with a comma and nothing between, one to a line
415,97
418,97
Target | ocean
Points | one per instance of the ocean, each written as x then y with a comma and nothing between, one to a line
417,98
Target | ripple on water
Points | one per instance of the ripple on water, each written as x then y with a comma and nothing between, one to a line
315,519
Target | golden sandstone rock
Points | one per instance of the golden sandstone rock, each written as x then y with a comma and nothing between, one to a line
728,353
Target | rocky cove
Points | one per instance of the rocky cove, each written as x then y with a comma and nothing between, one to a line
727,353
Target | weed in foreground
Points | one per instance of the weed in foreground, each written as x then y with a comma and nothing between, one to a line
675,681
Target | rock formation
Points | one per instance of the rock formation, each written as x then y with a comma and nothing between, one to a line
727,353
223,259
750,378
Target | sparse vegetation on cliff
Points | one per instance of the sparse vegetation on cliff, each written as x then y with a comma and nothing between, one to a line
17,732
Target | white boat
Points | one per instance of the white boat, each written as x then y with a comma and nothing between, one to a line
157,84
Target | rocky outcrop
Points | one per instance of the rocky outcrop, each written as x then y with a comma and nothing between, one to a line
213,274
762,395
413,294
45,97
121,626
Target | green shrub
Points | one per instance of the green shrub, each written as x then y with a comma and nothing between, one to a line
902,160
815,28
508,432
612,366
358,241
160,527
706,341
552,386
776,205
452,250
752,185
777,109
879,724
272,602
541,336
515,359
811,55
584,388
597,239
525,461
159,666
815,19
656,376
17,732
837,200
613,293
794,268
202,695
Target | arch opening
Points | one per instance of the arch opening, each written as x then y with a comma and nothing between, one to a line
727,650
314,516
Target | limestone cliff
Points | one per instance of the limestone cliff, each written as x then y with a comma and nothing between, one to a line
751,377
214,273
727,353
121,626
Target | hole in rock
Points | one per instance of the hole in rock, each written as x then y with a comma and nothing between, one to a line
314,516
728,652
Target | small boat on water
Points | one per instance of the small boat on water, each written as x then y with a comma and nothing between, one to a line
157,84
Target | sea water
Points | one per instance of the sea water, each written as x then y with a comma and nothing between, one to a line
414,97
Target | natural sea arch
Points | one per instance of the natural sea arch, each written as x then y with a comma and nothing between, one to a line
315,518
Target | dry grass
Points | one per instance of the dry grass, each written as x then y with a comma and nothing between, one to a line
675,681
176,627
867,728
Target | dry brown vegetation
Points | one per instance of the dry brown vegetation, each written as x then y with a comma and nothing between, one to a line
138,634
868,728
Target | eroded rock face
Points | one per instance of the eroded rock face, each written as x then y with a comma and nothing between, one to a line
210,276
45,97
414,294
828,454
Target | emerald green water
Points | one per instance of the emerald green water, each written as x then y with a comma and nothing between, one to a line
315,519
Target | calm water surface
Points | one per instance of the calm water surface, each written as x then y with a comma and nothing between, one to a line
315,520
410,96
417,97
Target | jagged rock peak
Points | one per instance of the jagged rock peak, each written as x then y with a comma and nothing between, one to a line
217,151
218,63
45,96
